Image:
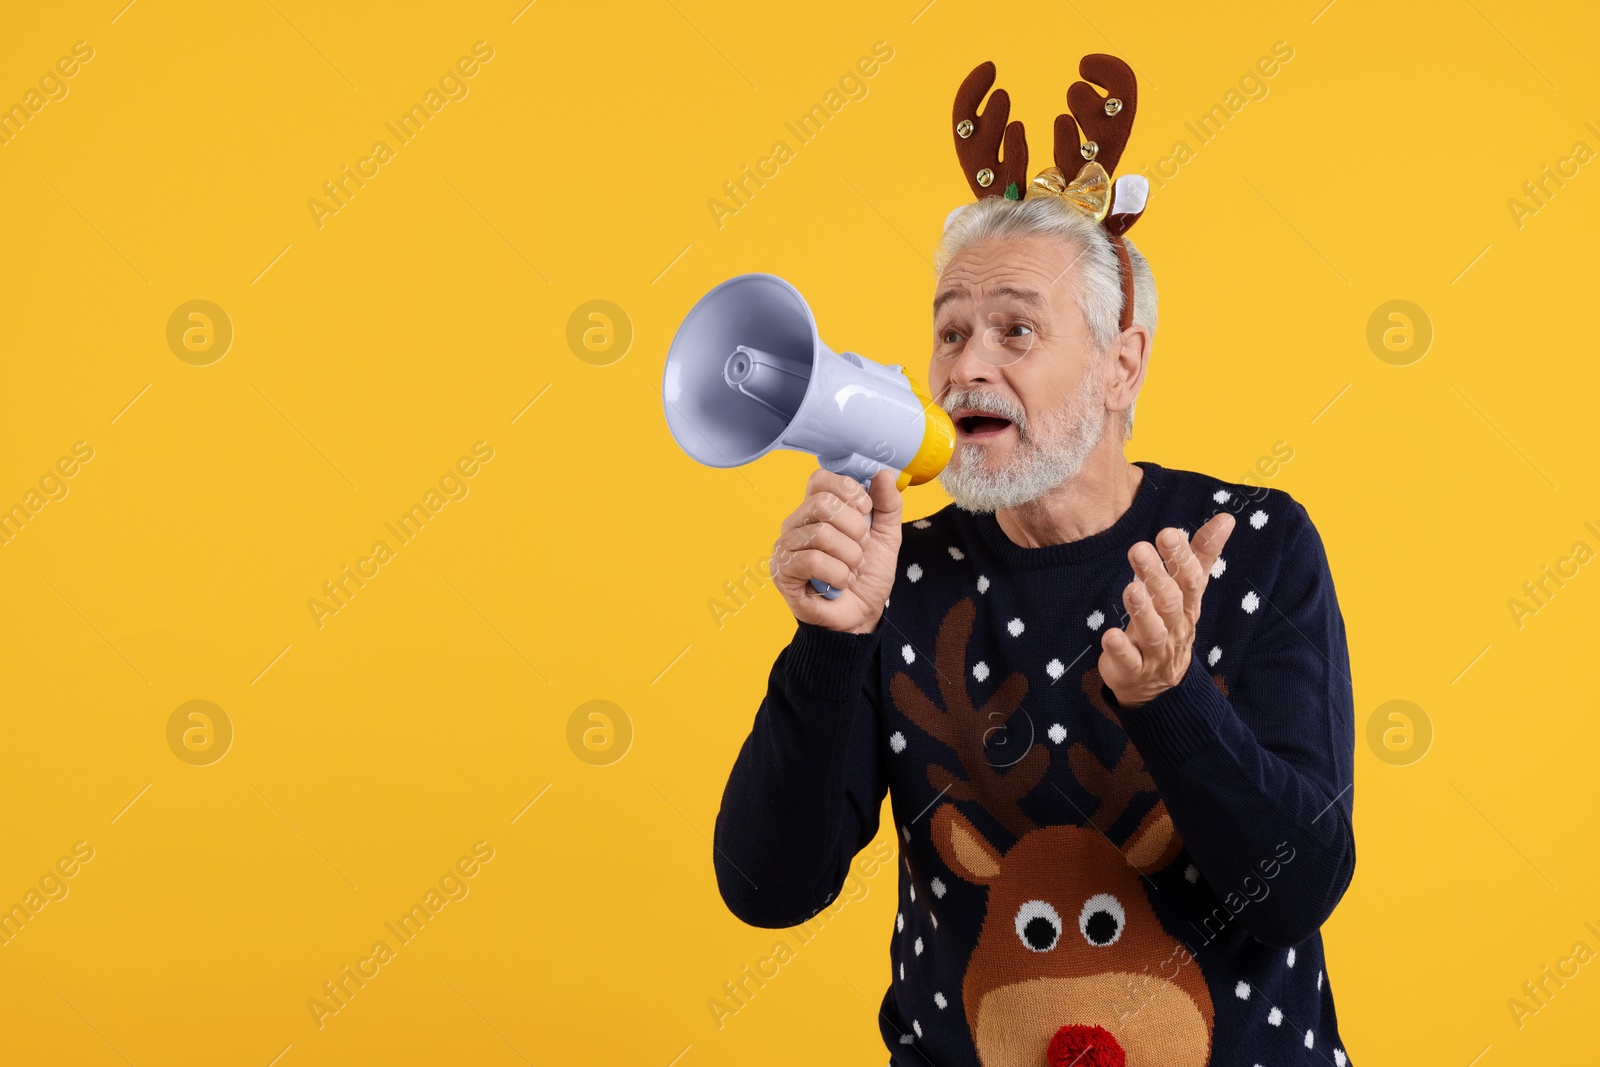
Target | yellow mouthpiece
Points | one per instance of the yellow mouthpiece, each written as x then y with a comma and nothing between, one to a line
938,442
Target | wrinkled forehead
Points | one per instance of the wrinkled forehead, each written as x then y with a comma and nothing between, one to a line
1032,273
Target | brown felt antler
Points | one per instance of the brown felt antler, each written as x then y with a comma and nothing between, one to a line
979,137
1107,121
962,727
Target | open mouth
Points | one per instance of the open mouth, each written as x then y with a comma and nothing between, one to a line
979,427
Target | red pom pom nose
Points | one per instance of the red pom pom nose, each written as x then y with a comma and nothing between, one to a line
1085,1046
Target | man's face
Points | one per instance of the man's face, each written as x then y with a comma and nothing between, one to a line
1015,368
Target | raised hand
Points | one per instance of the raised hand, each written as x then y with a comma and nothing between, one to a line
1163,604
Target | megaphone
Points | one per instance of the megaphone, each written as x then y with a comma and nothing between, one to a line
747,374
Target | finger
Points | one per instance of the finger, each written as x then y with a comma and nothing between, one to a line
1185,569
801,566
1164,591
1144,623
886,500
824,537
1125,657
846,489
1210,538
831,492
824,507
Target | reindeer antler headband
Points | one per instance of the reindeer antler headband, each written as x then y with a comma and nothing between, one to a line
1106,120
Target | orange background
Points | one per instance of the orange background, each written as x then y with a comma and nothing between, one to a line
431,311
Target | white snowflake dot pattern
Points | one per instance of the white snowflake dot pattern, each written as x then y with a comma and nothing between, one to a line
938,998
933,919
909,654
1311,1039
913,891
1055,670
906,1039
900,922
1339,1058
1250,602
902,971
1218,567
917,1027
922,524
897,741
1222,496
980,670
914,572
1242,990
1191,874
1057,733
905,831
1291,957
983,584
1319,980
1274,1017
1096,619
1213,656
956,553
917,948
938,888
1258,519
1015,627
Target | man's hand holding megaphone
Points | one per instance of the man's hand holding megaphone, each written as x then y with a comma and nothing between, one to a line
829,537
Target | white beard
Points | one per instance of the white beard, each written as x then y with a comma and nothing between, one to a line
1044,457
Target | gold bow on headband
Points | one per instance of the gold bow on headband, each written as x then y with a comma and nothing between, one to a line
1089,192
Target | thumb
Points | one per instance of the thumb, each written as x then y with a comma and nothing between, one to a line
886,500
1209,539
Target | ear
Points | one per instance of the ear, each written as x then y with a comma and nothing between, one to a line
1155,843
963,849
1125,367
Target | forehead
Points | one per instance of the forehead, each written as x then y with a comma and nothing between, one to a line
1003,268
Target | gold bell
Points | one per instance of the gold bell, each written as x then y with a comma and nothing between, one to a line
985,177
1089,149
1113,105
964,128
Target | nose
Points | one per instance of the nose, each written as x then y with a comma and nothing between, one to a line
966,369
1085,1046
969,366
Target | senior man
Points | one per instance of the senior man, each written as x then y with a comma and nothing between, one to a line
1109,701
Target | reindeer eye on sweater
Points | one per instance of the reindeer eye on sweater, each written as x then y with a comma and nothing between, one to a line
1038,926
1101,920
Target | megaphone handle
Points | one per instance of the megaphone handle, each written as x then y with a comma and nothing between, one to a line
818,584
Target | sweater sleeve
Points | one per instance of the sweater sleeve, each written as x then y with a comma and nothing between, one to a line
1259,783
805,791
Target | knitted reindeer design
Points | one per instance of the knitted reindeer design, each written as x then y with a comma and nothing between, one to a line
1070,956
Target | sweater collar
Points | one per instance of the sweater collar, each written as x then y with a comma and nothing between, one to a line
1120,536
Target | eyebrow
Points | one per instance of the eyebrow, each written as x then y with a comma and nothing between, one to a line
1029,297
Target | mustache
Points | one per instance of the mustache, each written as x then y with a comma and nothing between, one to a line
989,404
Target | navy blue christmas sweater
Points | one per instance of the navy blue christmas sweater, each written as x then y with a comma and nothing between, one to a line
1078,879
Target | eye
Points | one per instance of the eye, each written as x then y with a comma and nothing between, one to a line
1101,920
952,337
1038,926
1019,329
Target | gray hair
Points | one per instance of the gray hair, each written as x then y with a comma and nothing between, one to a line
1099,287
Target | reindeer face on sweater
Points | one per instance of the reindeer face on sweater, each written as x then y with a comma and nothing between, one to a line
1069,940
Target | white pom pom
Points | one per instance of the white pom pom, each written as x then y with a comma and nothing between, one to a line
1130,194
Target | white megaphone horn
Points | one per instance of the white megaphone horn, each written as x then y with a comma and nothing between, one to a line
747,373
